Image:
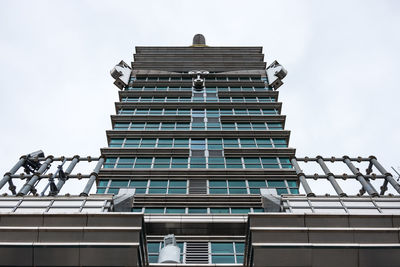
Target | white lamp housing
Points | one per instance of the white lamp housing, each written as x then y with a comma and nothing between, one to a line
170,253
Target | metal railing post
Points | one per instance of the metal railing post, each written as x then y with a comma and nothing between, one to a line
367,186
68,171
331,177
7,175
92,178
29,186
388,176
302,178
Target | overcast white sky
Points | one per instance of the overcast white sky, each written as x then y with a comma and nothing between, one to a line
341,94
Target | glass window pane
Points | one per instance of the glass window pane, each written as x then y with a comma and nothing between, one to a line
165,142
157,190
218,191
138,183
116,141
234,163
180,142
148,142
258,210
197,210
158,183
137,210
103,183
252,162
219,210
264,142
115,183
223,259
294,191
254,190
231,142
236,183
270,162
240,210
140,191
113,191
217,183
221,247
257,183
281,191
143,162
237,190
179,162
239,258
137,125
247,142
125,162
175,210
162,162
239,247
258,126
177,191
154,210
132,142
277,183
153,247
100,191
178,183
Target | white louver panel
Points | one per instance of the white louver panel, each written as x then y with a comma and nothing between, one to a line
197,252
198,186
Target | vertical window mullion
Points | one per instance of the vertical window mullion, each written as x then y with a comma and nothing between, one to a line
209,253
234,251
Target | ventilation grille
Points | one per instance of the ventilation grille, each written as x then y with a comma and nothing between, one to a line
197,119
215,153
196,253
197,153
213,119
198,187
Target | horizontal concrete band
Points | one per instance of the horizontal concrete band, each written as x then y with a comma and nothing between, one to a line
84,228
326,245
68,244
325,229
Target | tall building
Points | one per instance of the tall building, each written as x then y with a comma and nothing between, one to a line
198,172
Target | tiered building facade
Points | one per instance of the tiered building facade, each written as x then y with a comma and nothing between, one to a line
198,149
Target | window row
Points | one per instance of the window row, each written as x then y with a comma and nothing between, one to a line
197,143
189,78
342,206
207,89
186,210
218,252
197,112
198,99
200,162
168,126
212,186
54,206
